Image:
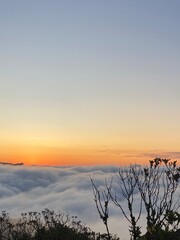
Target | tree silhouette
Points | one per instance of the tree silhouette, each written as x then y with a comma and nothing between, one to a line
102,198
127,187
156,184
47,225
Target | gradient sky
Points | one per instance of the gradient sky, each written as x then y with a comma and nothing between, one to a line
89,82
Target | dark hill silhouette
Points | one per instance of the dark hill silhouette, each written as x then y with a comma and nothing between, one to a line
12,164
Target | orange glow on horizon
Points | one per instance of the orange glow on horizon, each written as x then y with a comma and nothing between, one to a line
41,155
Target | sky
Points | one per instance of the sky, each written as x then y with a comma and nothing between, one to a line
89,82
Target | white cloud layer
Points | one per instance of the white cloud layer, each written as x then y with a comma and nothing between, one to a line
64,189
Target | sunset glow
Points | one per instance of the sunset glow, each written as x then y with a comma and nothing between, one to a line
89,82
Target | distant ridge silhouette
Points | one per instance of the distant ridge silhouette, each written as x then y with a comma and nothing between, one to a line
13,164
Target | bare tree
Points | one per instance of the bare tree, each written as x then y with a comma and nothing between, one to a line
102,198
127,188
156,184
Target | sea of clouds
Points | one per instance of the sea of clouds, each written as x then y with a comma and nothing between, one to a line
64,189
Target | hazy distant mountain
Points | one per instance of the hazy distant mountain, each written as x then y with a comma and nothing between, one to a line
14,164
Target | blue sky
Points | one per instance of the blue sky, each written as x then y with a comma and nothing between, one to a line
90,73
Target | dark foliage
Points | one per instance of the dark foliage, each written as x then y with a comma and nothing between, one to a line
46,225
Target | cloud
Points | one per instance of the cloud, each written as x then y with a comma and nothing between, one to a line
139,156
64,189
174,155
